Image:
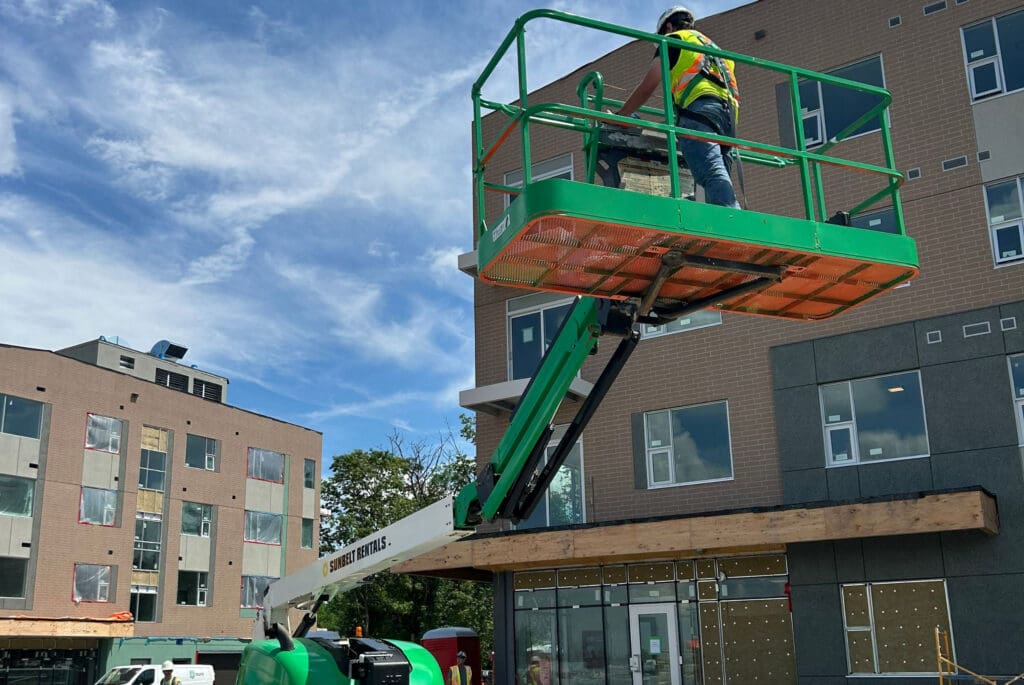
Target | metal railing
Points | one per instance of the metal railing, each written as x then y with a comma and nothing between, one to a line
586,118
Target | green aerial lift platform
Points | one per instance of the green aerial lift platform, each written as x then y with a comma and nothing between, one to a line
632,258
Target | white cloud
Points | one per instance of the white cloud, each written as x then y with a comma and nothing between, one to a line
8,143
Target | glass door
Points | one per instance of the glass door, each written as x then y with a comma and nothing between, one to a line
655,644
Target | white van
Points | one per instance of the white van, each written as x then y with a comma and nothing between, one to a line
188,674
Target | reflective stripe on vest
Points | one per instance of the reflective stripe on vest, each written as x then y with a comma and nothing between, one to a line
457,678
692,66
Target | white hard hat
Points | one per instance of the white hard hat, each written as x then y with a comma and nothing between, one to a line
678,9
168,665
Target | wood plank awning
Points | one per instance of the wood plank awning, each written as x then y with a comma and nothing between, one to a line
718,534
30,626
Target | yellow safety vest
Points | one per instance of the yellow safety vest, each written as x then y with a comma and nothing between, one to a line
695,74
457,679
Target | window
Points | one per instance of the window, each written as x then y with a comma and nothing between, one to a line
152,469
1006,228
253,589
92,583
16,495
308,473
148,529
994,55
143,606
207,390
307,533
12,576
1017,380
890,627
263,527
688,445
192,588
98,506
103,433
200,452
20,416
266,465
883,221
174,381
827,110
196,519
126,362
563,502
874,419
556,167
533,322
699,319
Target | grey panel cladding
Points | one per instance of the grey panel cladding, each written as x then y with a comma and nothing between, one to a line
798,428
1000,472
849,561
793,365
504,629
811,563
804,487
818,630
968,405
954,346
894,477
866,353
1013,339
985,612
903,557
843,484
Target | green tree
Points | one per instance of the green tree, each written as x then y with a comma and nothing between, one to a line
371,489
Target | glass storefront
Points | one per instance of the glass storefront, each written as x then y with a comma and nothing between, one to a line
686,622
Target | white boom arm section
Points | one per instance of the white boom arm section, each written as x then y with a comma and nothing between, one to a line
416,534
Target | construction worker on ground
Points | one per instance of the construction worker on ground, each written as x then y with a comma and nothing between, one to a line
706,99
533,671
169,677
460,673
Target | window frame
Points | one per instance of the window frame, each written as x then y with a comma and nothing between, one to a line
141,545
302,533
24,577
994,227
261,450
202,589
205,519
309,473
102,523
851,424
256,522
868,585
649,331
120,434
144,469
3,416
669,450
556,301
820,113
209,459
31,482
996,59
251,578
99,585
1017,397
556,438
138,591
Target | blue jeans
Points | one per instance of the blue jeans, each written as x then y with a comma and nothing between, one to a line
709,166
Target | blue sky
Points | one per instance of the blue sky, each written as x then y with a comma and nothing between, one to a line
283,187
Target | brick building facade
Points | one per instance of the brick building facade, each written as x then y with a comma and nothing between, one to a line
125,496
806,497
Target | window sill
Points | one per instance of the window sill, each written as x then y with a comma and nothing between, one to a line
990,98
875,461
665,486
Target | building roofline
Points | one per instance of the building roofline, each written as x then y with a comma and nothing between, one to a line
152,384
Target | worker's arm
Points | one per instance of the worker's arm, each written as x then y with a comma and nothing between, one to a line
643,90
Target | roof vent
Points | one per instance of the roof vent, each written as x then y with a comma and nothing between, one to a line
165,349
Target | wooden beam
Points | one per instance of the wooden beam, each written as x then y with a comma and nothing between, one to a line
50,627
711,535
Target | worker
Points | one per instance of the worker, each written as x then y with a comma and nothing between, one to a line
706,99
460,673
533,671
169,677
